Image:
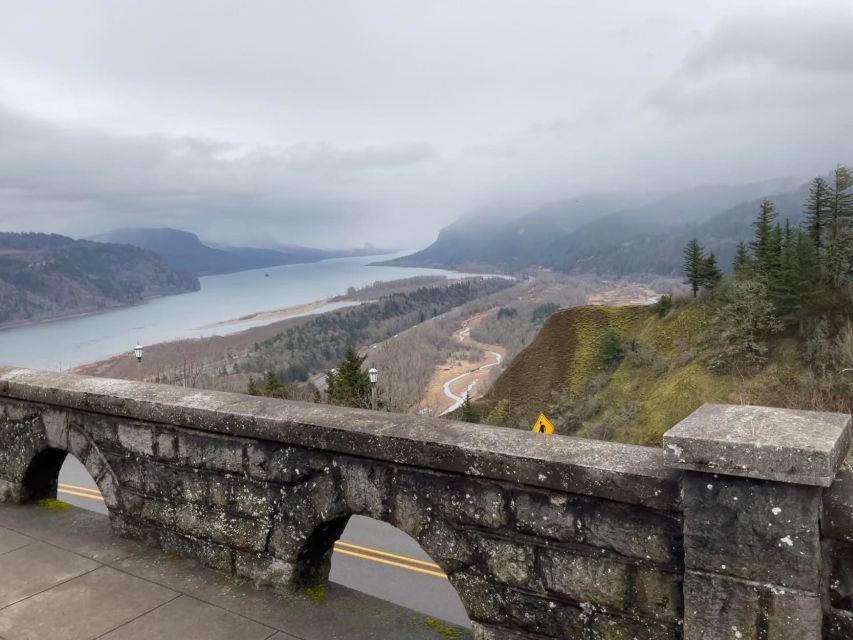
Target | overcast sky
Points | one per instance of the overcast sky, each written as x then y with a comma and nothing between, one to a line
337,122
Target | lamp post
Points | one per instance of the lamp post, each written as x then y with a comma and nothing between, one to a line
137,352
373,374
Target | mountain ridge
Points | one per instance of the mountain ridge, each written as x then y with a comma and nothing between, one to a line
185,250
576,236
48,276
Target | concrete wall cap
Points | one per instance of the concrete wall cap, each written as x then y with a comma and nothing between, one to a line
784,445
623,473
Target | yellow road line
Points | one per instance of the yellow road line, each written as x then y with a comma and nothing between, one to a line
79,494
390,562
349,545
340,546
95,493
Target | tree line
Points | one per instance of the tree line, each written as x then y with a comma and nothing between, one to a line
786,278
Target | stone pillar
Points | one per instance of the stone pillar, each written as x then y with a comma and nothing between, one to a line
753,483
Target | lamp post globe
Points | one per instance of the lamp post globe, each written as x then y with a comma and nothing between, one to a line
137,351
373,374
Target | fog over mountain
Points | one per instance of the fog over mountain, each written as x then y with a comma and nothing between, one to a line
336,123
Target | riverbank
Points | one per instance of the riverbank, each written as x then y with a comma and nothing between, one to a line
187,355
272,314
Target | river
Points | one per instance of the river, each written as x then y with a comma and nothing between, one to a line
61,344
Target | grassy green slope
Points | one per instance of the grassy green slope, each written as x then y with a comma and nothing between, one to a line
662,381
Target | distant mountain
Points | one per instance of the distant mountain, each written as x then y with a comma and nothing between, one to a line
603,235
662,252
184,250
46,276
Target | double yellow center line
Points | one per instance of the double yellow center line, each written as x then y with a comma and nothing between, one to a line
80,492
391,559
344,548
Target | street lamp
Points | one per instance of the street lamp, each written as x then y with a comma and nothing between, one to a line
373,374
137,351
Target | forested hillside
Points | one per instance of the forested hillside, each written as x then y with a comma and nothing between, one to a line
776,332
45,276
321,343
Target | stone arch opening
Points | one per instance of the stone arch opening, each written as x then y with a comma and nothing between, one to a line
78,487
383,561
41,478
80,478
378,558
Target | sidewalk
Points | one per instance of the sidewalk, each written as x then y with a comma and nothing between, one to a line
64,576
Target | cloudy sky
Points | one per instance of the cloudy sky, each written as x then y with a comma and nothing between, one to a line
335,122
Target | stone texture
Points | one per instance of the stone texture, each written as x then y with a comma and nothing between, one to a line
618,472
508,562
659,594
547,515
632,532
752,529
597,581
801,447
837,520
542,538
719,608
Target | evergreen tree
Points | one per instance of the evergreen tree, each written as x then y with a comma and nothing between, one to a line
745,318
711,274
842,194
764,244
742,266
783,287
694,265
818,211
808,280
499,416
252,389
349,384
839,247
470,411
273,387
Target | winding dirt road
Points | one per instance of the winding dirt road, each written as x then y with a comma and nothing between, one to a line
471,377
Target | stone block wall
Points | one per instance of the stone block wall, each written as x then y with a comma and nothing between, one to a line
837,530
542,537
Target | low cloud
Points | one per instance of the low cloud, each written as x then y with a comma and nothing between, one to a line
323,124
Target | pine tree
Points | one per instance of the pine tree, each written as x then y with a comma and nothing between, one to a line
252,389
842,193
818,211
839,245
742,266
711,274
809,283
763,245
499,416
349,384
470,411
273,387
783,290
694,261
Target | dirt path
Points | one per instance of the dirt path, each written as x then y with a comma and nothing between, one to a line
456,379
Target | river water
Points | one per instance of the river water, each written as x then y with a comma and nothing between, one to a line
67,343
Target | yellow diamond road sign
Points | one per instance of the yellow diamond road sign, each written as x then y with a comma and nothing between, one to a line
543,425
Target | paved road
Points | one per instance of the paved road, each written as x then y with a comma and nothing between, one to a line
372,557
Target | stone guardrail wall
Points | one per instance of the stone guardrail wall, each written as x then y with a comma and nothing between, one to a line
715,536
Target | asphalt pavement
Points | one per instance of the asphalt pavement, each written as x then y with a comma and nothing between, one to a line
372,557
